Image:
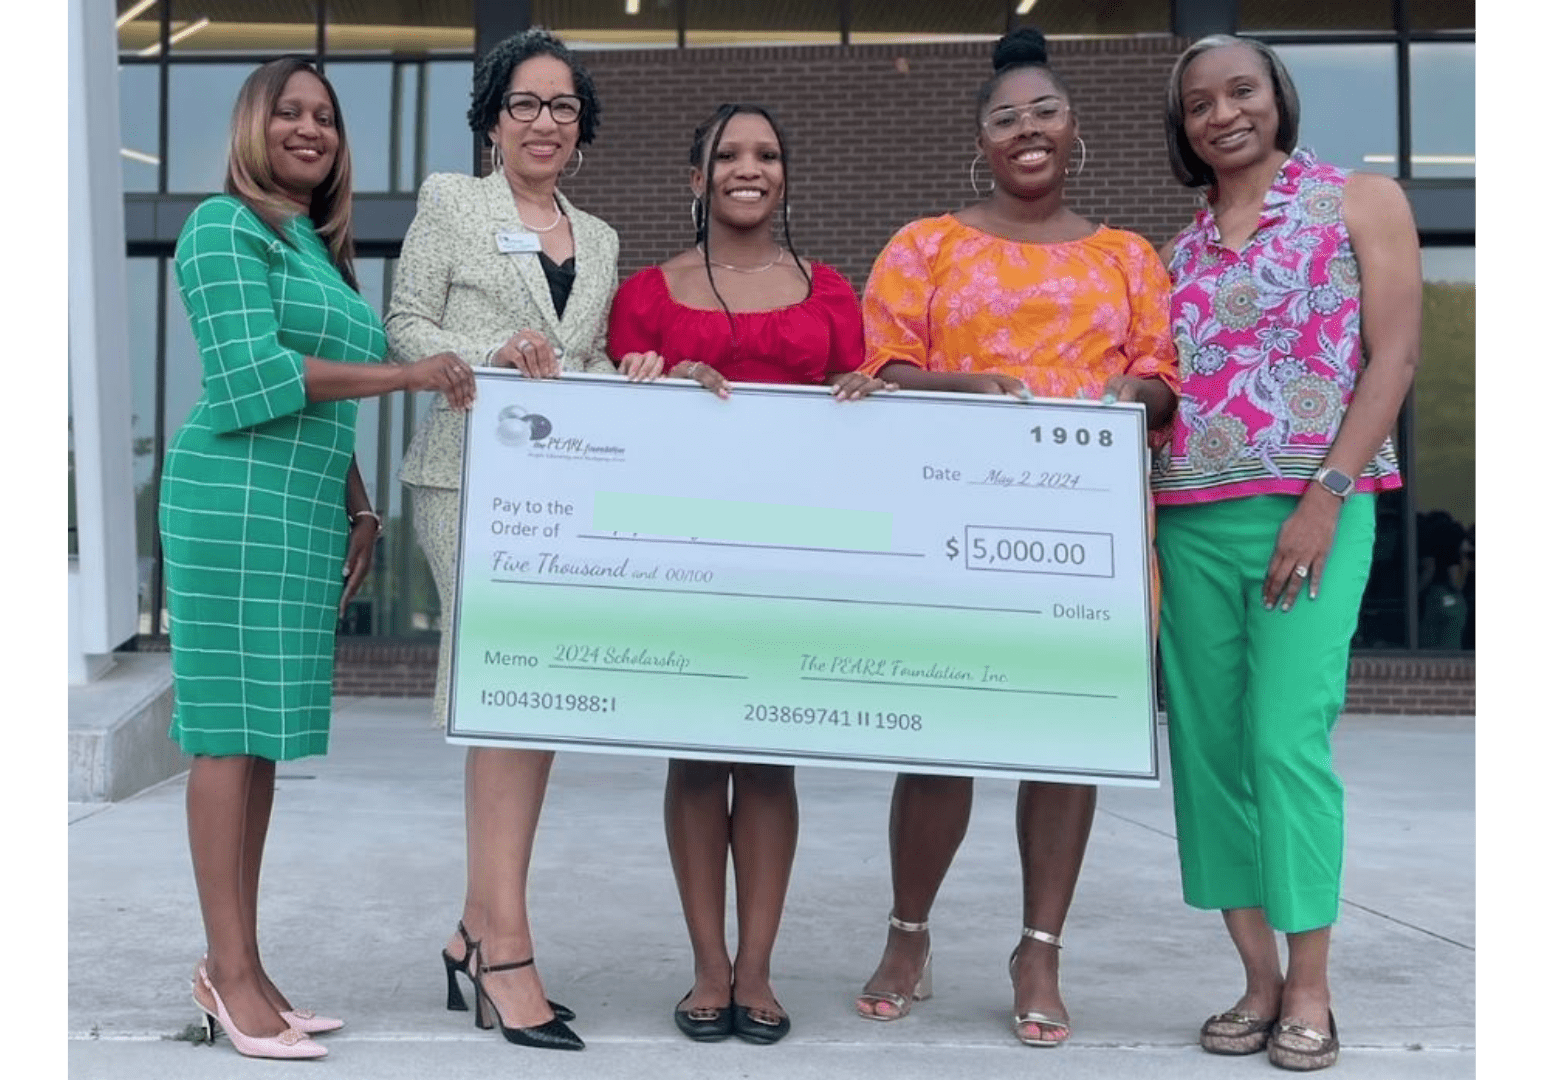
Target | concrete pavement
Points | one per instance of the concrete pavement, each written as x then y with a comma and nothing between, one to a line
364,876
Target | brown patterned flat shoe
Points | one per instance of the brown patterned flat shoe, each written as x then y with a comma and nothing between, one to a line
1296,1046
1236,1032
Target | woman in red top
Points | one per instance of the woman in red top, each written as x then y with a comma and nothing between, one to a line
738,306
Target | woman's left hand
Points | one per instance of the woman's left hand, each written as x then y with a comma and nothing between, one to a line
1302,548
361,554
1122,388
642,367
852,385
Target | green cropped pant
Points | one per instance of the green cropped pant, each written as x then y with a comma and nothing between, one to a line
1253,695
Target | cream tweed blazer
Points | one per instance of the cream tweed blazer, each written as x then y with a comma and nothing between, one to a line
454,291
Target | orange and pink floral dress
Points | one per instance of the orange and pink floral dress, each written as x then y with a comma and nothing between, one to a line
1063,318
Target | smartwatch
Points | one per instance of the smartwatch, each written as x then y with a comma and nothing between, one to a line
1334,481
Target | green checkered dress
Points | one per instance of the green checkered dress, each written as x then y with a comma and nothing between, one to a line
253,525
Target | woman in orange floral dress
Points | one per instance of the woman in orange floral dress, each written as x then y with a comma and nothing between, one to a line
1013,295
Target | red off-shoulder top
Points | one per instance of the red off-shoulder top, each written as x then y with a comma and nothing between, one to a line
803,343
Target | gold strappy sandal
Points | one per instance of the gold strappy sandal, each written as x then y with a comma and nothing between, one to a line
900,1004
1039,1019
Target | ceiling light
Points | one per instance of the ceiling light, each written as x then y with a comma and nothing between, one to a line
1421,159
632,7
134,12
1024,6
186,32
139,155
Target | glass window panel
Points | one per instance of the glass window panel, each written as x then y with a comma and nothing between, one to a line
364,96
447,144
1264,15
211,27
1327,77
198,121
73,547
139,24
139,125
1442,109
399,26
1382,623
775,22
1440,14
1444,450
143,280
879,21
407,127
615,24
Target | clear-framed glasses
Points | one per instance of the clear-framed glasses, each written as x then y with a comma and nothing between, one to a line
1048,115
565,108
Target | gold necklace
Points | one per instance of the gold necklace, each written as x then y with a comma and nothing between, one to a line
742,269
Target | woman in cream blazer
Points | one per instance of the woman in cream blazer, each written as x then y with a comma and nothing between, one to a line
505,271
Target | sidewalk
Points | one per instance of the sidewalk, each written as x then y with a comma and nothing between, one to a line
353,925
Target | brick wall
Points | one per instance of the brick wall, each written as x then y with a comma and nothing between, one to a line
878,135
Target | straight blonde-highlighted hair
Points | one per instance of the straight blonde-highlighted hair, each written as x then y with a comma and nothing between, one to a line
249,174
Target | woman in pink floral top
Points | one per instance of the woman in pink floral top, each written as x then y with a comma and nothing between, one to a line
1296,312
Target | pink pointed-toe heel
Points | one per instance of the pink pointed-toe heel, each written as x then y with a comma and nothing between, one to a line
307,1022
287,1044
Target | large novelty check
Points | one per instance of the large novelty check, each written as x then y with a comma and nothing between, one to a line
940,583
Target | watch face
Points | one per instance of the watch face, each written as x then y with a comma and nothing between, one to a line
1337,482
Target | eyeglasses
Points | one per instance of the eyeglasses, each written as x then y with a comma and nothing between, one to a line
1049,116
565,108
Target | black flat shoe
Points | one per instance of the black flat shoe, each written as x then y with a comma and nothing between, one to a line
454,1002
705,1024
753,1029
553,1035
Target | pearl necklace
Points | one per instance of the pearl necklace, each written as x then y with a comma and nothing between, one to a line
546,229
742,269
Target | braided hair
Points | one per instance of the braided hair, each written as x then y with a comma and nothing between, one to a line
704,155
490,80
1024,47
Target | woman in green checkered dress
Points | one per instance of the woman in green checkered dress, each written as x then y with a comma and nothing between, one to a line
266,530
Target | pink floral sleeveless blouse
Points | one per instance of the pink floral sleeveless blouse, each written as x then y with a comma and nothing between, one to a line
1269,342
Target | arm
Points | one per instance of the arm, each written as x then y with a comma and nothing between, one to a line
364,528
222,265
1152,364
632,338
421,286
1388,252
844,319
896,332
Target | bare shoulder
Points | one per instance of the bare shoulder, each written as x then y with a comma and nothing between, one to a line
1372,199
691,258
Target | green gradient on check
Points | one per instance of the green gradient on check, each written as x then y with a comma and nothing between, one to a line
742,522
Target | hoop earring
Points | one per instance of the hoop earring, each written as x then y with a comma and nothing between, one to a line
570,175
1082,159
697,215
975,185
498,158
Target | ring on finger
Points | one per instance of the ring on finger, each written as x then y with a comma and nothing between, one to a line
522,344
1300,570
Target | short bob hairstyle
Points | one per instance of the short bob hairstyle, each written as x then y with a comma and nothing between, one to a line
490,80
249,173
1188,167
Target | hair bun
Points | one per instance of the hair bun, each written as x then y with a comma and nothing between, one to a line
1024,45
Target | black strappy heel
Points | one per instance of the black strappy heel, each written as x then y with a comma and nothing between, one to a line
454,1002
553,1035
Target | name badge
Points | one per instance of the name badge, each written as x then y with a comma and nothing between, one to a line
514,243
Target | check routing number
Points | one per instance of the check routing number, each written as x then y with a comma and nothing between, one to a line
941,583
